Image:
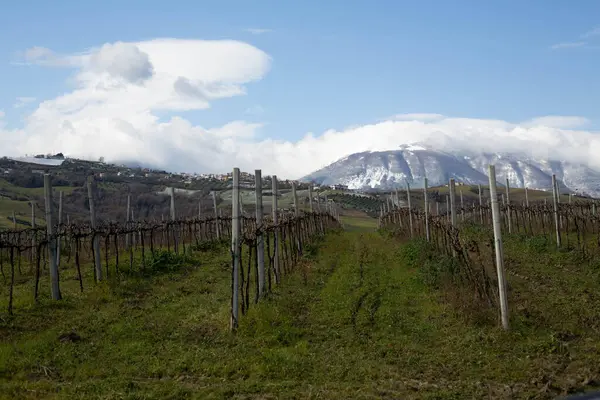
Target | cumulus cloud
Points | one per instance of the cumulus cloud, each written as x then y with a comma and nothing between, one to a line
116,111
122,61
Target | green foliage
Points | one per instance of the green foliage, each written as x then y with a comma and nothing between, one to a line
433,268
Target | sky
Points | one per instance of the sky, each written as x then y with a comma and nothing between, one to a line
289,87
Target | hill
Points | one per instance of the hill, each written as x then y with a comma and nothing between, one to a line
21,183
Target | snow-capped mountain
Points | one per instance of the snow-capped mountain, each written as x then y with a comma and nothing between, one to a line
391,169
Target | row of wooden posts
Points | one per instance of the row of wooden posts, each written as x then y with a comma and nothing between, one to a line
451,214
53,239
330,208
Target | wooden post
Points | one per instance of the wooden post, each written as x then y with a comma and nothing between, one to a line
96,240
260,244
462,207
555,205
426,206
318,201
448,208
498,247
54,278
295,197
508,213
480,205
526,197
60,211
452,202
235,247
276,231
310,196
214,198
128,223
175,228
33,241
410,219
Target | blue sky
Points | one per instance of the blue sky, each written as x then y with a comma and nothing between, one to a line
337,64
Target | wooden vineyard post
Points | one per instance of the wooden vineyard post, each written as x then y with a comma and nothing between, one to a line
318,201
214,198
235,248
498,248
410,219
526,197
276,231
175,228
295,199
260,244
452,202
480,206
128,223
508,213
310,197
60,212
452,189
96,239
555,206
426,206
33,241
54,278
462,207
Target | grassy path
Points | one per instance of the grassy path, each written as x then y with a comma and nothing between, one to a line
355,321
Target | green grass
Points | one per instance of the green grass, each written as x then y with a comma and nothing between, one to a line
5,185
354,223
21,208
355,321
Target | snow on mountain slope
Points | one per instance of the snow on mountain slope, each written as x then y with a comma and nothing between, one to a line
391,169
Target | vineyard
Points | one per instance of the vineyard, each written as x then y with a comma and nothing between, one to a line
35,259
287,305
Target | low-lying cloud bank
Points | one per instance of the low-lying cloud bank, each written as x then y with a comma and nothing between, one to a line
121,89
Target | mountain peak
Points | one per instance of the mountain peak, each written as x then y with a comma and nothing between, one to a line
412,162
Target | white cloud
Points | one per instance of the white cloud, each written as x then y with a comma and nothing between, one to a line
258,31
23,101
1,113
113,112
567,45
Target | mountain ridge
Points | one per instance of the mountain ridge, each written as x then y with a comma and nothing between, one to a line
411,163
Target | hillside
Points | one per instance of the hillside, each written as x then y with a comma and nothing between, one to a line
21,183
